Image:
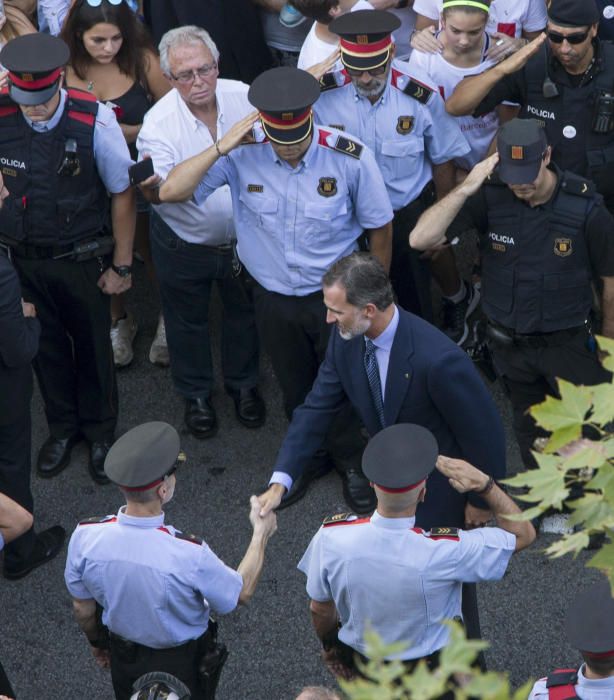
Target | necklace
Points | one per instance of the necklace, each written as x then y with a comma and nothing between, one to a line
90,86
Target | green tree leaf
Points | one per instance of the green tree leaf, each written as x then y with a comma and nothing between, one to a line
568,544
563,436
570,410
604,560
607,345
603,402
592,512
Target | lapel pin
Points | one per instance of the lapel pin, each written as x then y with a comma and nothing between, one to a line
406,376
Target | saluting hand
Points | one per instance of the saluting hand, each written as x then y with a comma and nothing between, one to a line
462,476
519,59
235,135
321,68
472,183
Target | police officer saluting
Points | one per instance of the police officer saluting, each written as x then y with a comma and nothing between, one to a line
384,572
567,83
60,153
544,236
155,584
301,200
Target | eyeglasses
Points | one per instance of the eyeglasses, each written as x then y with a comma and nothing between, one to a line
575,38
380,70
96,3
189,76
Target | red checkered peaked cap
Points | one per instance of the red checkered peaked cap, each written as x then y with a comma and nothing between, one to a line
35,63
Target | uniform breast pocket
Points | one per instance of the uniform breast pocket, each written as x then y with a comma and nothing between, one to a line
259,211
322,220
400,156
565,294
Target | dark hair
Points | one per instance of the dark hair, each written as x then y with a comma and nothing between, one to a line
364,279
601,666
468,9
131,57
315,9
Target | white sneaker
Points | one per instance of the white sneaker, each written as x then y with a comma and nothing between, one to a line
158,353
557,524
122,335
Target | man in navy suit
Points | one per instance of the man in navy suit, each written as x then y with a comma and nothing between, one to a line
424,378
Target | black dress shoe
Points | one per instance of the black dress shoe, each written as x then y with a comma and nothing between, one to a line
48,544
301,483
357,491
98,454
200,418
54,455
249,407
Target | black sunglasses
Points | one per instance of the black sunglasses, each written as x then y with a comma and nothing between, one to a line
575,38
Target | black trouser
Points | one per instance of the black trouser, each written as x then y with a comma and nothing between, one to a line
409,273
186,273
15,447
129,661
294,332
529,374
74,365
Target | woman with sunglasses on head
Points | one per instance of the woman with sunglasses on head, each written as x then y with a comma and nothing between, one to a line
465,46
112,57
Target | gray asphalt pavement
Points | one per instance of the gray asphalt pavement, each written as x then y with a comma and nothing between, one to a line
273,651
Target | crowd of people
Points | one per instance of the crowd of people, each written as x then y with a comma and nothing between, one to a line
318,160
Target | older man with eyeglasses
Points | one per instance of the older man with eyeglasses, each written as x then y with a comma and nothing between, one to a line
193,245
564,79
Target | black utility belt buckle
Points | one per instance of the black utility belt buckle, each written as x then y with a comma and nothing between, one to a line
499,336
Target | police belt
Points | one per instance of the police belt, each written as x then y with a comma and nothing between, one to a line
501,335
99,246
426,198
126,647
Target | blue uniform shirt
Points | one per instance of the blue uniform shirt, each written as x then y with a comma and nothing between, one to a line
406,134
380,572
293,224
156,589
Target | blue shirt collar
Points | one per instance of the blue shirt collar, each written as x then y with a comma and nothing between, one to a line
385,339
139,521
392,523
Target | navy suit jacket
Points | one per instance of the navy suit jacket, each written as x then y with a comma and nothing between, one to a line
18,346
431,382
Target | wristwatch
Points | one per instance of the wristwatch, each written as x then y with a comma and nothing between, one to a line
122,270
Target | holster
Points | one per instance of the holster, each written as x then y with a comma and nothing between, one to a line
213,655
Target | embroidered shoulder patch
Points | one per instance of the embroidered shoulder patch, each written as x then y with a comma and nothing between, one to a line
347,146
343,519
194,539
418,91
98,519
444,533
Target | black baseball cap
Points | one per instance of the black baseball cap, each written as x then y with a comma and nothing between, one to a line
400,457
590,620
521,144
284,97
573,13
35,63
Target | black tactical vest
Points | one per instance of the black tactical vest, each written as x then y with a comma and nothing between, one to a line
536,275
568,118
45,208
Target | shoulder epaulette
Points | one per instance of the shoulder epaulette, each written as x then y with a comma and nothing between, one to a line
188,537
573,184
343,519
347,146
98,519
411,87
336,79
82,106
444,533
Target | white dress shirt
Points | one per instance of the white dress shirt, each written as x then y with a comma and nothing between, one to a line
586,688
170,134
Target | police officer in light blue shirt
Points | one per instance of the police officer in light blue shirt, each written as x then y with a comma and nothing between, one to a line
301,199
402,119
156,585
384,572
